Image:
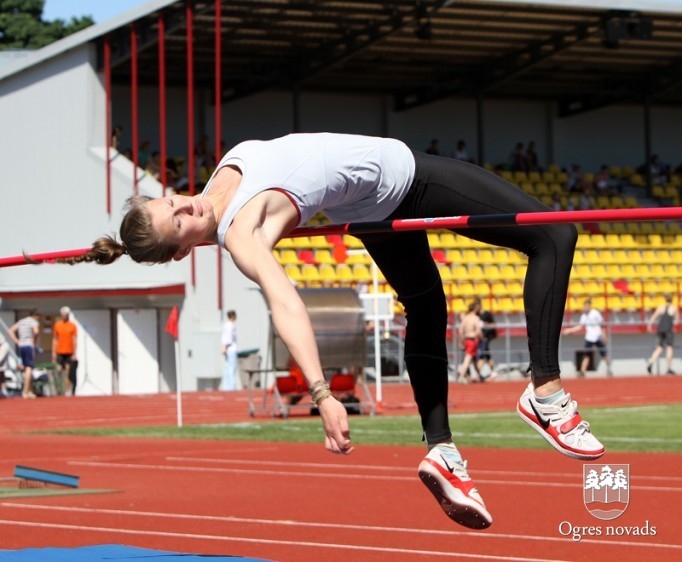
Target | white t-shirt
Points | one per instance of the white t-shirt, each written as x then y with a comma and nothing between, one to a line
228,336
350,178
592,321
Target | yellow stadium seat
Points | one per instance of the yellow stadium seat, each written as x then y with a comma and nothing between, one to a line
445,272
642,271
485,255
591,257
434,239
577,288
519,177
352,242
475,272
499,289
548,177
617,202
603,202
514,288
324,257
460,272
491,272
319,242
293,272
607,256
469,256
355,256
344,273
362,273
534,176
288,256
454,256
528,187
449,240
301,242
310,273
657,271
327,273
626,241
542,189
631,302
637,180
631,202
646,228
629,271
464,289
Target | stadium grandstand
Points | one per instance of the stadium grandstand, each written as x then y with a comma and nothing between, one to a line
148,102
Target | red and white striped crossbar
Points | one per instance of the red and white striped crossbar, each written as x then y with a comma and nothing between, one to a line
455,223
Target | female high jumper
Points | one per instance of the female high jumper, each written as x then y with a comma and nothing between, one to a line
262,190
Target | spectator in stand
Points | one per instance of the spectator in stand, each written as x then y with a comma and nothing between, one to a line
460,152
532,164
64,340
664,318
24,334
557,204
657,171
591,322
586,200
143,154
202,153
116,135
153,167
602,181
517,159
576,179
433,148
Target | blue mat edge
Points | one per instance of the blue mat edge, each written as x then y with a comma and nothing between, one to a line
96,553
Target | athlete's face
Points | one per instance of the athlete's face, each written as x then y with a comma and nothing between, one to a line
183,220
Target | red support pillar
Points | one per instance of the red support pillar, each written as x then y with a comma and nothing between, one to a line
107,118
189,15
218,123
163,145
134,105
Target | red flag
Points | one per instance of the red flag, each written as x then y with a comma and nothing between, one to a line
622,286
172,323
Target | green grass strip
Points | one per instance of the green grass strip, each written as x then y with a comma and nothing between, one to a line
628,429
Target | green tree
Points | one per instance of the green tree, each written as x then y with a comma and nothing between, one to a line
22,26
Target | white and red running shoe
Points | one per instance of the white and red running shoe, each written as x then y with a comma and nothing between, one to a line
561,425
448,481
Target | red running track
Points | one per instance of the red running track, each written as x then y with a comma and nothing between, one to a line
297,503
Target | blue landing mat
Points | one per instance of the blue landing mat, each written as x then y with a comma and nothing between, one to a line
108,552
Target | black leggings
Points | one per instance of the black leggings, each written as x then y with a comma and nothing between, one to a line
447,187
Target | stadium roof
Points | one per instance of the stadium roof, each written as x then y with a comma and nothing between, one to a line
582,54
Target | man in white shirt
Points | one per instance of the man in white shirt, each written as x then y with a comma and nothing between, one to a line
228,340
591,320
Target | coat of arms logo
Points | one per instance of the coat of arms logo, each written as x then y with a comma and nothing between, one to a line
606,489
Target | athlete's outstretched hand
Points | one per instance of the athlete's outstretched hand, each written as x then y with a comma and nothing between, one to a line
335,423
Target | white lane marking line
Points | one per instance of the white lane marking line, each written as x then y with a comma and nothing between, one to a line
315,545
288,474
292,523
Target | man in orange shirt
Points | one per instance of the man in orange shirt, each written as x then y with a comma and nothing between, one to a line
64,334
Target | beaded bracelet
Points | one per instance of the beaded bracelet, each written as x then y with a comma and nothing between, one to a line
326,393
319,390
321,383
